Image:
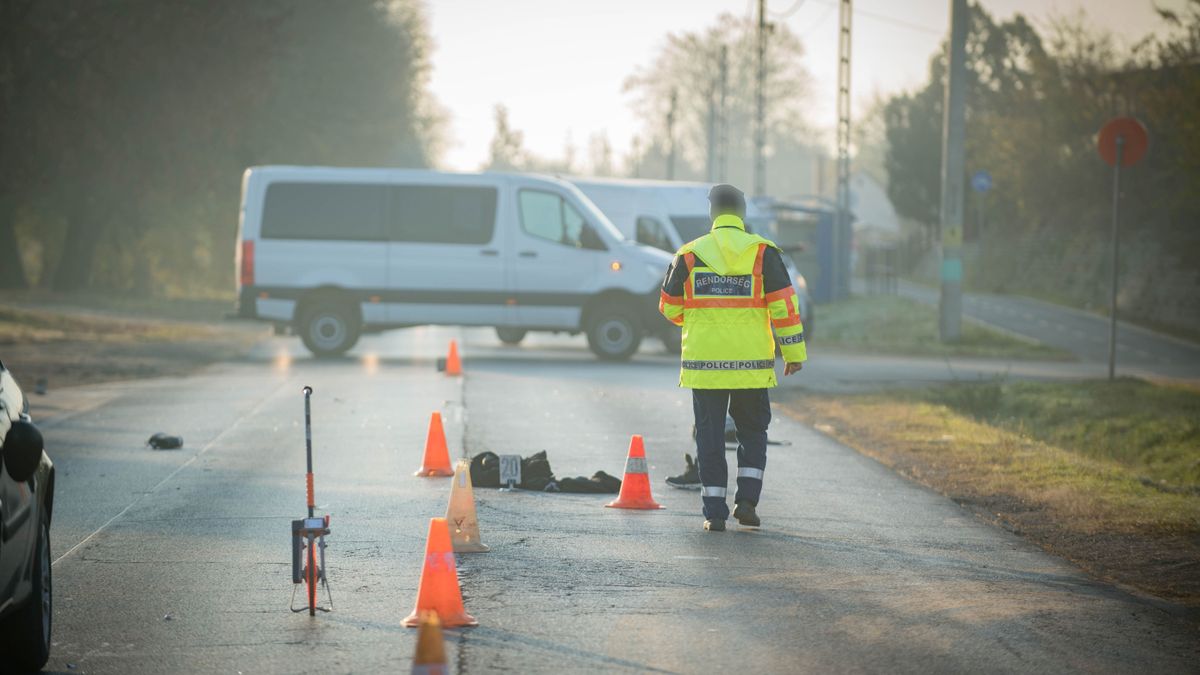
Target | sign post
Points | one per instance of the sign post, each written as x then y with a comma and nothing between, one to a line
1122,142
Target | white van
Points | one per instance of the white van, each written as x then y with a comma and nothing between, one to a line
668,214
337,252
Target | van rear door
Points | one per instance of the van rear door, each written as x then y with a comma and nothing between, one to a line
448,257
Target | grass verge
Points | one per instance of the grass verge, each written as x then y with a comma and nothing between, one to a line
890,324
66,347
1102,474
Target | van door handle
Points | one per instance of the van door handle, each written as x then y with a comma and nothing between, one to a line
528,254
489,251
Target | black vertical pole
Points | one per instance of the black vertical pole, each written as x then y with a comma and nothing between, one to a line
1112,306
308,447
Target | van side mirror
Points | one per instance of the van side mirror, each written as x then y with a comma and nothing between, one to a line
590,240
22,451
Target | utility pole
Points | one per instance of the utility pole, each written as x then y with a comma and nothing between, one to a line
953,167
760,116
723,118
840,274
671,136
710,155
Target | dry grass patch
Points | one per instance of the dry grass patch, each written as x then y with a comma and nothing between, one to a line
1084,503
67,347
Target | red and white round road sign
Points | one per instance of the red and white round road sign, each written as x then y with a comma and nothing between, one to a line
1135,140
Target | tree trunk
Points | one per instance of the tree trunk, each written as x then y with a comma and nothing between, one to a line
74,270
12,269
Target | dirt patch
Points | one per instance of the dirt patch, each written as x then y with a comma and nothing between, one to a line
1097,513
63,348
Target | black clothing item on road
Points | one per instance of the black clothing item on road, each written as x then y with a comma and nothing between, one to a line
536,475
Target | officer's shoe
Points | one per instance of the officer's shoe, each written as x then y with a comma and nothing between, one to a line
689,479
744,512
714,525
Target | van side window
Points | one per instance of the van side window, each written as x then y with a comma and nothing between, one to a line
339,211
546,215
651,233
441,214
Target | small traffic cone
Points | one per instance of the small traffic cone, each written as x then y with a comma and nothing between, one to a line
460,514
635,487
430,657
437,457
438,590
453,364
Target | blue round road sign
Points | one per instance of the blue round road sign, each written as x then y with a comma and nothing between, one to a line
981,181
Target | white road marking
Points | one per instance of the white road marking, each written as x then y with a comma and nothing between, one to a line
258,406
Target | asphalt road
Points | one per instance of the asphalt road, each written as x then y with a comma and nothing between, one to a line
178,561
1140,352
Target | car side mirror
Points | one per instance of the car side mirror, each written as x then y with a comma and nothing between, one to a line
590,240
22,451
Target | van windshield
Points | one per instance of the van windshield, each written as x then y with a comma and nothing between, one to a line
691,227
596,217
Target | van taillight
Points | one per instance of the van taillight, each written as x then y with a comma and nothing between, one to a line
247,277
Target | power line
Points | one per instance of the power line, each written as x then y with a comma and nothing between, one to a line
890,19
789,11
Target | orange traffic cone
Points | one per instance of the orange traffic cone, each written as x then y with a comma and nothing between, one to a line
438,590
430,658
460,514
635,488
453,364
437,457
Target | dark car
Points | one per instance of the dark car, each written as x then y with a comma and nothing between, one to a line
26,502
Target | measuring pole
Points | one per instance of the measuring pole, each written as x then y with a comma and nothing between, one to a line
1112,303
953,163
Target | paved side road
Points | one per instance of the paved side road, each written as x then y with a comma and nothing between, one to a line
1139,351
178,561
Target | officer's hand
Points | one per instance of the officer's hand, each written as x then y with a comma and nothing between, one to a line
790,368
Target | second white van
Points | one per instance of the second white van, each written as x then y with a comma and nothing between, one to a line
668,214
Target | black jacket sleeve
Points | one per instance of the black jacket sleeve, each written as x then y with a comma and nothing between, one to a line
775,274
677,276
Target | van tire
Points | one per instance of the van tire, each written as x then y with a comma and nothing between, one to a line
613,332
511,336
672,339
26,632
329,326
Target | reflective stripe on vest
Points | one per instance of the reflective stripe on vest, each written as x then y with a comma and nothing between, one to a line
792,339
729,365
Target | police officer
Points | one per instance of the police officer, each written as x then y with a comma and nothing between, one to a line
728,289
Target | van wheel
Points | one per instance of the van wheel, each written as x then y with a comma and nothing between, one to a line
329,327
510,336
613,333
27,631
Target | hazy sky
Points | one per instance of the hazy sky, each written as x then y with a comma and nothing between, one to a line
559,65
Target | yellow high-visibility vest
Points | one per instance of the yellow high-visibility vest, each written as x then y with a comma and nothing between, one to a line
726,315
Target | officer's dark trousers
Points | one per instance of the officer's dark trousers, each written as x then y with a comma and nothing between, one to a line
751,412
